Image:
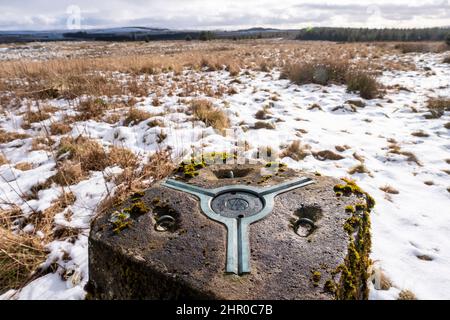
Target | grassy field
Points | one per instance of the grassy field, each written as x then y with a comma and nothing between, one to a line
86,123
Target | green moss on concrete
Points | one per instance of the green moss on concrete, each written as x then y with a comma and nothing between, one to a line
139,208
120,220
316,276
137,196
330,286
190,168
350,209
265,179
276,164
353,272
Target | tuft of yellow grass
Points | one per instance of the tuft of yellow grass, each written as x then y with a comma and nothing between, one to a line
359,168
20,256
89,153
92,108
68,173
394,148
35,116
59,128
408,47
3,160
296,151
122,157
205,111
320,72
437,107
364,83
389,189
136,116
24,166
137,178
7,136
327,155
406,295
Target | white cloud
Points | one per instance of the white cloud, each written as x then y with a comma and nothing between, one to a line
231,14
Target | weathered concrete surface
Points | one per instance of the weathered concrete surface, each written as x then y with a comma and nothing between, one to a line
189,262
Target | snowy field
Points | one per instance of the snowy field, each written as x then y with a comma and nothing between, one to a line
404,160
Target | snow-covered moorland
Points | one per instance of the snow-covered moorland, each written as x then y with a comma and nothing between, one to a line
61,156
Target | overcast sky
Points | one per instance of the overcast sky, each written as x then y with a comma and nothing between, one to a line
215,14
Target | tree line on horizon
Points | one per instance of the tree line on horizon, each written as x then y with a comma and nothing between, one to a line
366,34
319,33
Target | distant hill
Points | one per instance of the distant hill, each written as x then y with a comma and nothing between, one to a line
136,33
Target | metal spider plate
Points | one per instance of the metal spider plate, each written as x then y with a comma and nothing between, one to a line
237,204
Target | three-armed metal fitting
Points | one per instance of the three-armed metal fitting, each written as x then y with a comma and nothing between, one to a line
237,206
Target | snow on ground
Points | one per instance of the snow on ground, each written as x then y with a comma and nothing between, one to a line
406,226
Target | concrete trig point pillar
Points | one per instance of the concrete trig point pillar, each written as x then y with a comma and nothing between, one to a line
281,235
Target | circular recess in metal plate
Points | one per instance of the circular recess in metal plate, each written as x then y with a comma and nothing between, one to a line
237,204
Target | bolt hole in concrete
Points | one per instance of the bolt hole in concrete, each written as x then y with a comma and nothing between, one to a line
164,223
308,215
166,219
230,174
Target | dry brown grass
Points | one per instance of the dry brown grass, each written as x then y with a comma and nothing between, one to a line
122,157
92,108
35,116
211,63
296,151
42,143
59,128
319,72
20,256
131,180
89,68
315,106
57,78
205,111
364,83
89,153
406,295
24,166
7,136
156,102
342,148
262,114
420,134
437,107
411,157
360,168
408,47
3,160
331,71
327,155
44,221
233,68
136,116
112,118
68,173
155,123
84,155
446,59
389,189
263,125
